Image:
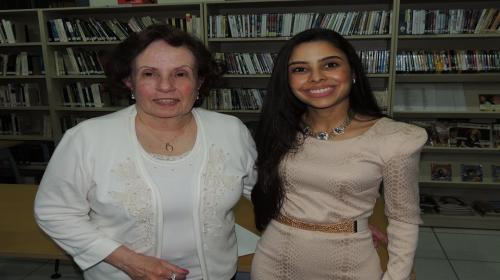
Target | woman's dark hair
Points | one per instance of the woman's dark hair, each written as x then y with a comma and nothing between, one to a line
280,120
118,64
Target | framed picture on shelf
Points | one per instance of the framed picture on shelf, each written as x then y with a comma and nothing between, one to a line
471,172
470,135
489,102
496,135
495,173
440,172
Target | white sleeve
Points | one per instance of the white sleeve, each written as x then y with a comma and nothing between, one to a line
251,178
61,205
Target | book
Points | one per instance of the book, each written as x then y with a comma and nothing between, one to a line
428,204
471,172
452,205
487,208
441,171
489,102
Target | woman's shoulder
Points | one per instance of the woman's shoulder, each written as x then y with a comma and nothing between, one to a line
106,123
398,138
389,127
212,117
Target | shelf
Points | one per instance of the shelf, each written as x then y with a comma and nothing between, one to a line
80,77
83,43
473,221
462,185
31,108
10,77
26,137
461,150
447,114
88,109
22,44
32,167
492,77
450,36
247,76
383,75
265,39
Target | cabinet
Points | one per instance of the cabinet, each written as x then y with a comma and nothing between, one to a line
397,40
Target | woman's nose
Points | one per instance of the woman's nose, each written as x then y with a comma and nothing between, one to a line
316,75
166,83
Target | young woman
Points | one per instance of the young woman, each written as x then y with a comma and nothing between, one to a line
324,148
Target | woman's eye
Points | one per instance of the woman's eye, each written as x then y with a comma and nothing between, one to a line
298,69
181,74
331,65
147,74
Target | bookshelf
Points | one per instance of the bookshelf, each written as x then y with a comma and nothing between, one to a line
245,31
432,35
235,31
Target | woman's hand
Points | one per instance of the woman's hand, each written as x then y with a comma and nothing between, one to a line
142,267
378,236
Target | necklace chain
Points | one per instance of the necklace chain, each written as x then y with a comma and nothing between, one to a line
325,135
169,145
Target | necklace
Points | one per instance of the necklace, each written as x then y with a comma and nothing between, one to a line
168,145
325,135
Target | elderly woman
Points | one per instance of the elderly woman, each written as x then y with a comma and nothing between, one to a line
147,192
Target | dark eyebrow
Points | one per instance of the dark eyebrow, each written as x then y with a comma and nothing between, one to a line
323,59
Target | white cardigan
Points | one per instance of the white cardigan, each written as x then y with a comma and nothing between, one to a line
96,194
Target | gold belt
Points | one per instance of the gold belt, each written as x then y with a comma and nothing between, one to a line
344,227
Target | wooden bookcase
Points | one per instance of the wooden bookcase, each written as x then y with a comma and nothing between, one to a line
387,82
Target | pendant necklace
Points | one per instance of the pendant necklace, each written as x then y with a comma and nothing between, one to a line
325,135
168,146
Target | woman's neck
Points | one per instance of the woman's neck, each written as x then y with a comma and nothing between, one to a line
164,125
324,120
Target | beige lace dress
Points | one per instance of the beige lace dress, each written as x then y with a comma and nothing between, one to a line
338,181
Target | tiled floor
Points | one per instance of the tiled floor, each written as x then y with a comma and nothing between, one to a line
458,254
443,254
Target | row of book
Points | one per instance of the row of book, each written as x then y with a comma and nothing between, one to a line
468,172
21,64
20,95
78,61
9,32
246,63
69,121
448,61
25,124
91,29
288,24
235,99
449,21
374,61
461,134
454,205
32,153
81,95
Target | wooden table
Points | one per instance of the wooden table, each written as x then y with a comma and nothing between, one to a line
19,234
21,237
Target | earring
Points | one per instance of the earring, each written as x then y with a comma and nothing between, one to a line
353,81
132,95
